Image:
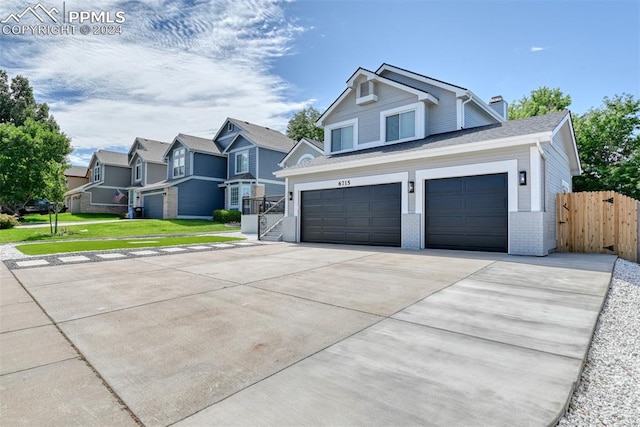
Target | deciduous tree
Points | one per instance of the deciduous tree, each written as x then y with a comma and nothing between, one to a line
303,125
608,140
541,101
32,148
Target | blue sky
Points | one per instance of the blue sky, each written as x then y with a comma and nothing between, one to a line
186,66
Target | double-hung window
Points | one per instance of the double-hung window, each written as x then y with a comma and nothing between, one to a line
242,162
138,170
97,172
234,196
178,162
400,126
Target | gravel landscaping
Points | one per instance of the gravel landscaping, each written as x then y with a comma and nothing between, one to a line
609,389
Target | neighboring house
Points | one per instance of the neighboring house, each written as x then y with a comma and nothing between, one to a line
415,162
253,155
304,151
106,192
191,187
148,166
76,176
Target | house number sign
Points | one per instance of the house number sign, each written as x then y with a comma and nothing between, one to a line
344,183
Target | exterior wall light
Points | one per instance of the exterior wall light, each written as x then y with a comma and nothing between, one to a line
290,195
412,186
523,178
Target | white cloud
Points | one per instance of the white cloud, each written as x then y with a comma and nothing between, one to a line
537,49
176,68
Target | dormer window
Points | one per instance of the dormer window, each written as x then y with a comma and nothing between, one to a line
365,93
138,170
97,172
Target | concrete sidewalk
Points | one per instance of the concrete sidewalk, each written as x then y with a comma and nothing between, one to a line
315,335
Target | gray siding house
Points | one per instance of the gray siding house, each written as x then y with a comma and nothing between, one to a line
304,151
253,154
106,192
415,162
191,187
148,166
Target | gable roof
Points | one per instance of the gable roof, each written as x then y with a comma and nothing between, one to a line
312,143
77,171
370,75
196,143
151,151
420,93
510,133
262,136
111,158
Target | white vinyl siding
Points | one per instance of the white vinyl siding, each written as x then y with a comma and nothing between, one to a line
178,162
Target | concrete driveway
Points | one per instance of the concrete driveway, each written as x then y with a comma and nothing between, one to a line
287,334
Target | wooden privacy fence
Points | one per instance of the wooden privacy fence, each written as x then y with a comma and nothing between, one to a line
598,222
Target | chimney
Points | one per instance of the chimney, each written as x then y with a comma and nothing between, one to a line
500,106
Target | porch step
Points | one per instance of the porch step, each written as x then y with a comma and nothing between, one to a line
274,235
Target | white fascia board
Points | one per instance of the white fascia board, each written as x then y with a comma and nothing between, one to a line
422,154
221,128
360,72
300,143
480,103
386,67
343,95
422,95
574,146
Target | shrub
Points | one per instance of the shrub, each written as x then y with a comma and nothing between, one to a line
8,221
224,216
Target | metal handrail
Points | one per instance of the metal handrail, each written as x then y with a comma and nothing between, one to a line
264,225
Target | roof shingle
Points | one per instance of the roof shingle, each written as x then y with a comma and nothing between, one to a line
264,137
197,143
530,125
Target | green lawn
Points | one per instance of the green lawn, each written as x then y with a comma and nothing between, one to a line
124,228
67,217
100,245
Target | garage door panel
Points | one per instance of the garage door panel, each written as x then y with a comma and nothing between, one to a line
472,215
368,215
446,186
153,206
357,207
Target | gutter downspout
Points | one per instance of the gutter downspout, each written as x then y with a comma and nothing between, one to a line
462,112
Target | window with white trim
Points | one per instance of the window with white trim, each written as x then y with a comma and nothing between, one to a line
400,126
242,162
97,172
138,170
178,162
234,196
342,138
230,127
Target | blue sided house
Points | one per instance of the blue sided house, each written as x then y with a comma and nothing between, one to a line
253,154
196,169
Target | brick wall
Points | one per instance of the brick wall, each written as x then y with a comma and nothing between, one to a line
527,233
411,235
